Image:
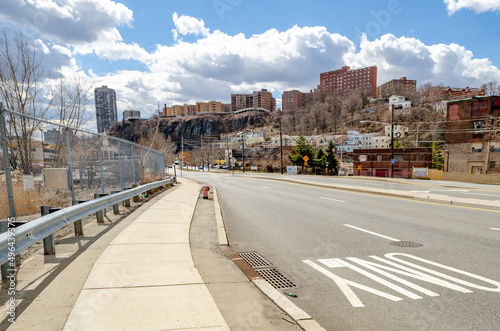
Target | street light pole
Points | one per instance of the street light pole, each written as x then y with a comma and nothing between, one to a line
281,146
392,142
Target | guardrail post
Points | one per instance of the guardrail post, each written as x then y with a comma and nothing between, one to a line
136,198
126,202
100,214
49,243
78,225
116,207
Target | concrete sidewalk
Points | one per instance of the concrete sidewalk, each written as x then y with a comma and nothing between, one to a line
145,279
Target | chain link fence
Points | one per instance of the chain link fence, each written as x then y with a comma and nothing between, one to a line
47,164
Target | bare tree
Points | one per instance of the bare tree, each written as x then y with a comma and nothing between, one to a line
491,87
69,105
22,79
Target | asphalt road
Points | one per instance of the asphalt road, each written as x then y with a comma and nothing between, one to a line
339,248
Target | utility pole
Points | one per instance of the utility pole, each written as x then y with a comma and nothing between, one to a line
392,141
243,152
281,145
182,153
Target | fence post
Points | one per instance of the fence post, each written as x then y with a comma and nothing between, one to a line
100,164
6,164
70,165
120,164
49,243
81,172
133,163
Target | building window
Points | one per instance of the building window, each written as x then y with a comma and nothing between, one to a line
492,164
478,127
379,158
477,149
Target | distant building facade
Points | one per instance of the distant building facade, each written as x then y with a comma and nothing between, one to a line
258,99
105,107
292,100
131,115
397,86
346,80
472,143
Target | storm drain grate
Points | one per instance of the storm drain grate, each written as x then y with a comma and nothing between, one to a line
406,244
254,259
275,278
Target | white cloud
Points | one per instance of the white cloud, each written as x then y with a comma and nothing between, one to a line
67,21
185,25
448,64
478,6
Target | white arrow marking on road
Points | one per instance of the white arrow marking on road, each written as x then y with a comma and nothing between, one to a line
380,280
343,285
454,279
370,232
495,229
331,199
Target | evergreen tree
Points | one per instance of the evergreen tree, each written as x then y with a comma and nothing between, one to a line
302,149
333,163
320,160
437,157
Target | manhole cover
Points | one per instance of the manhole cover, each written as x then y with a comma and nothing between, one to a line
254,259
406,244
275,278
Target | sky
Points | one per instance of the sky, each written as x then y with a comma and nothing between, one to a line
174,52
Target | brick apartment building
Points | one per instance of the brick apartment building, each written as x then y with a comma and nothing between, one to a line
260,99
472,143
344,81
397,86
292,100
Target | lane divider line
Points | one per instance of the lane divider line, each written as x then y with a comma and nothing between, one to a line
330,199
370,232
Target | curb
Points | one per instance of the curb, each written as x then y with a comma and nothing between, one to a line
304,320
221,230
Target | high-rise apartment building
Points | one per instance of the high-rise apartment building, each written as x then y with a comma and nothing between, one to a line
344,81
241,101
260,99
400,86
105,108
292,100
264,99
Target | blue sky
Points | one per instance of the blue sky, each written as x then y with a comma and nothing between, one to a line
175,52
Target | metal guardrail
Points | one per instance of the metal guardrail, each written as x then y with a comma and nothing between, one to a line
43,227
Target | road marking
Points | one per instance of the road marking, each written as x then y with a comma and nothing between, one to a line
495,229
374,184
267,187
483,194
343,285
451,190
393,264
370,232
331,199
420,191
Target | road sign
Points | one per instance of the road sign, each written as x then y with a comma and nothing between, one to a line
305,158
359,167
393,161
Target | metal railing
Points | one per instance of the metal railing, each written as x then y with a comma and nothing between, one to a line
19,238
